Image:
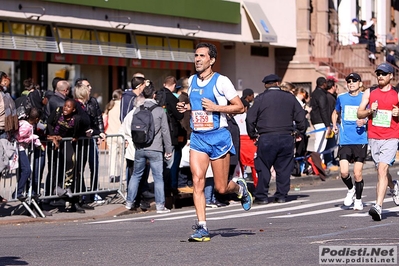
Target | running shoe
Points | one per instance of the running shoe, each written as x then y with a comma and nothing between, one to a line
163,210
211,205
395,192
129,205
246,197
200,234
375,212
358,205
349,197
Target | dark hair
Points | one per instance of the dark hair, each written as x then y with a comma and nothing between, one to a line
34,113
330,83
169,80
149,91
137,81
72,101
213,53
55,81
79,81
29,84
320,81
3,75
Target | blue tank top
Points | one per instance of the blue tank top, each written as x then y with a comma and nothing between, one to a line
200,119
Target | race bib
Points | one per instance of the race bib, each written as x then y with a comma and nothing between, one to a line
202,120
382,118
350,113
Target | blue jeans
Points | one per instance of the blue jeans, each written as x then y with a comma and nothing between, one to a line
24,172
209,190
38,168
155,158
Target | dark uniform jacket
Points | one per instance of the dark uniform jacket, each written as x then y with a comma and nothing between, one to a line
274,112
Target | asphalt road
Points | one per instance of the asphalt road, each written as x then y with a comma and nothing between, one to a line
275,234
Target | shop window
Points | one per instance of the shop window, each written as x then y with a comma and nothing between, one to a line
18,28
259,51
81,34
4,27
186,44
174,43
25,29
103,36
64,33
35,30
141,40
155,41
118,37
181,44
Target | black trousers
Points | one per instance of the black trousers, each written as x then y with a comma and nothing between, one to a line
277,151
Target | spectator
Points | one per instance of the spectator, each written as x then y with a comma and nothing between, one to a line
143,193
59,97
329,157
302,97
354,32
26,141
97,127
247,145
128,96
153,154
112,112
320,115
390,58
81,95
248,95
369,34
168,101
65,122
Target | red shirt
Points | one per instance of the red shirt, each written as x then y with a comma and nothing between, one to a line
386,100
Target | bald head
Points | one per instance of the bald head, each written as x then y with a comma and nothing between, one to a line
63,87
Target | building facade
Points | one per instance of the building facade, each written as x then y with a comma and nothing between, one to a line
108,41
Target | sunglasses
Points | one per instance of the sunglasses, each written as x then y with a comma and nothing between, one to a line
381,74
352,81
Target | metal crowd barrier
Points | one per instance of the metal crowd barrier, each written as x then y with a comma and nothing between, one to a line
66,171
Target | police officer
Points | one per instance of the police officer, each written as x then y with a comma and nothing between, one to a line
272,121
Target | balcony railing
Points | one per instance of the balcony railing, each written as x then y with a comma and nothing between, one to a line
28,43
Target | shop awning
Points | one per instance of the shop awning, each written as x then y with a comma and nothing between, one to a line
262,30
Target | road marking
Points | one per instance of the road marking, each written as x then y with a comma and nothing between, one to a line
305,206
327,190
191,213
232,212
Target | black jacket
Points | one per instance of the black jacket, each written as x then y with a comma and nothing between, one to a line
173,115
96,116
57,100
274,112
320,108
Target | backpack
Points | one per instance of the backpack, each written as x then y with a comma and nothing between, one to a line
142,127
23,105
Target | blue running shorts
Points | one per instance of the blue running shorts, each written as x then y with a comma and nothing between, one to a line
214,143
